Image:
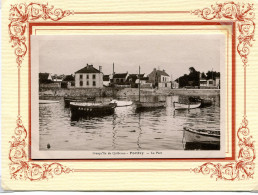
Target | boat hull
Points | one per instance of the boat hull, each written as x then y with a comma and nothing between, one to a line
79,110
200,137
206,102
179,106
68,100
120,103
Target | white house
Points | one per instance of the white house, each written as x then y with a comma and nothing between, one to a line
89,77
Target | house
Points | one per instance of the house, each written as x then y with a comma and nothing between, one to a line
89,77
45,78
160,79
58,78
217,82
175,85
210,83
119,79
106,80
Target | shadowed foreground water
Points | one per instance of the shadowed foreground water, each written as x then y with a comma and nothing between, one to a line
159,129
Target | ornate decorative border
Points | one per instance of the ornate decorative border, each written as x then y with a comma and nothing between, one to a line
243,15
21,14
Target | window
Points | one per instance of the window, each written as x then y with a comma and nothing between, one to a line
87,76
94,83
166,85
88,83
81,76
81,83
93,76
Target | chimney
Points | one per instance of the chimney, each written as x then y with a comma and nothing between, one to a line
154,69
100,68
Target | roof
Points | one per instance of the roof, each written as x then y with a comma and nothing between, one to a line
88,69
120,75
160,72
105,77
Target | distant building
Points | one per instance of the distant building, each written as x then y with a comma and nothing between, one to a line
143,79
160,79
89,77
217,82
175,85
120,78
210,83
58,78
106,80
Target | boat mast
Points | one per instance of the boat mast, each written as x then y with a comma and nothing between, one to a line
139,84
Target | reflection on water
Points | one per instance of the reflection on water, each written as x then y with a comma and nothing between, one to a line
126,129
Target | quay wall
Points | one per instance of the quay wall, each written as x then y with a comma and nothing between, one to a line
124,92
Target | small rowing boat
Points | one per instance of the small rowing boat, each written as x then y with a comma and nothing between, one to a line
47,101
202,135
121,103
179,106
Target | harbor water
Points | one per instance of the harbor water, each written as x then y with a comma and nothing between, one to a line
126,129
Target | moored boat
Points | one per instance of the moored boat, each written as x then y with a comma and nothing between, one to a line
201,135
206,102
149,105
121,103
67,100
179,106
81,109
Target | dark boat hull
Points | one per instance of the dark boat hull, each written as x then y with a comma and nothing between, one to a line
80,111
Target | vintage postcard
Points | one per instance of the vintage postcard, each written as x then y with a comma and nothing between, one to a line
129,95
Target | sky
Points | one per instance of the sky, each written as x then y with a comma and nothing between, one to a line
173,53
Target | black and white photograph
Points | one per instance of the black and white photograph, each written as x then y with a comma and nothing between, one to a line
128,96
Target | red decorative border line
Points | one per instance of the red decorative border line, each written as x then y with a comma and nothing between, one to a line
20,15
243,15
20,167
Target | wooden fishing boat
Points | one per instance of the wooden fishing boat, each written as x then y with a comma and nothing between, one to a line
67,100
202,135
81,109
47,101
179,106
148,105
121,103
205,102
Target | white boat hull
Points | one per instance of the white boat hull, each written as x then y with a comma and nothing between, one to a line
179,106
200,137
121,103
